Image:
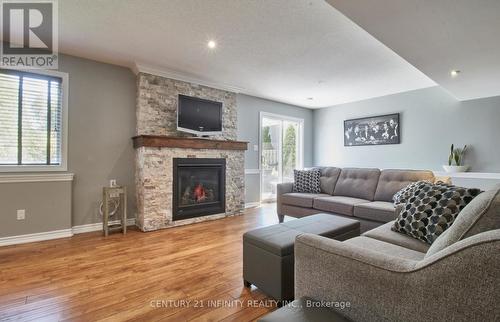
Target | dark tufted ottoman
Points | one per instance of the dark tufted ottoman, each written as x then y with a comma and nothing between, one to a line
268,251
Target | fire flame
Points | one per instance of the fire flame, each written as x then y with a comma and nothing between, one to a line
199,193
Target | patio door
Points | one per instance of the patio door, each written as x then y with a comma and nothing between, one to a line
281,151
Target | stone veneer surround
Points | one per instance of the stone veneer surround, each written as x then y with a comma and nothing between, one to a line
157,115
157,106
155,174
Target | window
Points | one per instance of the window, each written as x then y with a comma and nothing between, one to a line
31,121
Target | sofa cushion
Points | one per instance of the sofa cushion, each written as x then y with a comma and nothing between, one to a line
385,234
307,181
480,215
328,179
337,204
382,247
432,209
357,183
391,181
300,199
376,210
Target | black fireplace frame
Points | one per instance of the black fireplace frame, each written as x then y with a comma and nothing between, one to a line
205,209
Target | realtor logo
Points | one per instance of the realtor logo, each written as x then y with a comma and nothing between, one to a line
29,34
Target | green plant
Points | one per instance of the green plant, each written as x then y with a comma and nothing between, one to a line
289,147
266,138
456,155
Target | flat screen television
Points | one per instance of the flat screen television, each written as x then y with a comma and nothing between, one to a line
199,116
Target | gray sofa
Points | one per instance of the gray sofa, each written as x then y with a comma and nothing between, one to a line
388,276
365,194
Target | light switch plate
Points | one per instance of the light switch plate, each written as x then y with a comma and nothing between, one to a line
21,214
256,148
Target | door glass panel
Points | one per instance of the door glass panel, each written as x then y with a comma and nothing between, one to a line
280,153
270,158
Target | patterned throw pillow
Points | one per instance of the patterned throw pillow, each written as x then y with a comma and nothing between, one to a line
307,181
430,209
402,195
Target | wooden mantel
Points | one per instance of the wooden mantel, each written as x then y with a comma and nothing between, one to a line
160,141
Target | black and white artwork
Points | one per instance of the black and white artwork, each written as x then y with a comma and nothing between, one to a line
383,129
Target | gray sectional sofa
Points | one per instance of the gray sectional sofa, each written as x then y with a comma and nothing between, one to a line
389,276
365,194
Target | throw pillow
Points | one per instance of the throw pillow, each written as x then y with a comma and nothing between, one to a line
307,181
480,215
402,195
430,209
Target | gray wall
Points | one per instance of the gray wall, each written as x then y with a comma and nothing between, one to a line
47,205
102,101
249,109
431,120
101,123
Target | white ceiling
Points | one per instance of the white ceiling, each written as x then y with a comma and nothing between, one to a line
285,50
438,36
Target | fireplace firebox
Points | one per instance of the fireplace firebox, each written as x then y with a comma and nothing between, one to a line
199,187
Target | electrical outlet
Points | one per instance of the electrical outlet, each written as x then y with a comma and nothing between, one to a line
112,183
21,214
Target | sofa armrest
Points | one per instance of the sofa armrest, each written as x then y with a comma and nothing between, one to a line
386,288
282,188
491,237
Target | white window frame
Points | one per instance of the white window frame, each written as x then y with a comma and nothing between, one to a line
64,129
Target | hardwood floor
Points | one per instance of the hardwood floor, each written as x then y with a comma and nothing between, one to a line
138,277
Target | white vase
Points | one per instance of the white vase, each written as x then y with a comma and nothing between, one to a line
455,168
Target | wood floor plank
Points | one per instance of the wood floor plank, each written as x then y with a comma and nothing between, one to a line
92,278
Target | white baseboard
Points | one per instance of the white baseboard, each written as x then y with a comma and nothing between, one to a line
252,204
98,226
63,233
30,238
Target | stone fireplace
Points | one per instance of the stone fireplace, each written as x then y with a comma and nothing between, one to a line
168,192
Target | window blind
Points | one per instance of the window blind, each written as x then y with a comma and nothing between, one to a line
30,119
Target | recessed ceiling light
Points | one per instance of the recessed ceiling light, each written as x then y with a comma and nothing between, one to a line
310,98
211,44
454,73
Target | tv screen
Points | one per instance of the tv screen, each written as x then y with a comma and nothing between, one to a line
199,116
